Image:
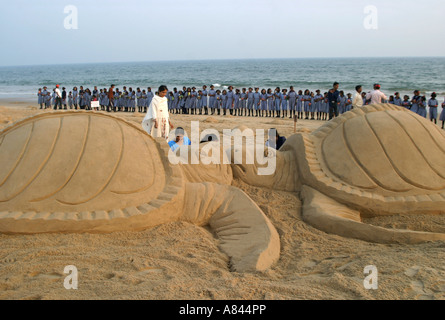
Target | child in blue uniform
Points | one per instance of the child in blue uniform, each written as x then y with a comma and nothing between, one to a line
263,98
277,102
348,104
39,98
256,102
415,102
406,103
250,101
341,103
229,101
204,99
212,98
236,102
270,105
300,102
422,107
218,101
307,103
284,102
397,99
70,99
318,100
433,104
292,101
243,100
224,101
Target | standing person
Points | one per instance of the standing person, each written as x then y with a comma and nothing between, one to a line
415,101
212,99
44,95
175,100
300,103
75,97
397,99
218,101
348,102
224,101
292,96
204,102
236,102
39,98
284,103
111,99
333,100
442,115
307,103
270,104
325,111
256,102
277,101
244,102
318,99
422,107
95,94
433,104
139,99
357,102
64,98
70,100
406,103
48,100
250,101
199,102
263,102
194,100
391,100
376,96
341,103
150,96
229,103
57,98
157,122
105,99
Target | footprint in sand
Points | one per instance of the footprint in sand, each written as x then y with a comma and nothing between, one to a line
411,272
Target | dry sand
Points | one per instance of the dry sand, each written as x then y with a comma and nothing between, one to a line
182,261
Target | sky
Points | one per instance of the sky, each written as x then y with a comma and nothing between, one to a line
36,33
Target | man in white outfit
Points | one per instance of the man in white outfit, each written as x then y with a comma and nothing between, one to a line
58,100
376,95
358,99
157,122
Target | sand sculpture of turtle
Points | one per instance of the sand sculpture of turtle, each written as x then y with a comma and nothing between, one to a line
373,161
90,172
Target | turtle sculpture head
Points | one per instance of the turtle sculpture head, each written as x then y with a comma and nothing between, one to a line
373,161
91,172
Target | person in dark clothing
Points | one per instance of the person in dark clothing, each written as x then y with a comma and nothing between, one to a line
333,101
276,143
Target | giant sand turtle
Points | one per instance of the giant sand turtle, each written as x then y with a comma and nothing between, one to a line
373,161
91,172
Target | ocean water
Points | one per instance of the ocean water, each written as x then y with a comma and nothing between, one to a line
394,74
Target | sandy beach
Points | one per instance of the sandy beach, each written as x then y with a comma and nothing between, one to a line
183,261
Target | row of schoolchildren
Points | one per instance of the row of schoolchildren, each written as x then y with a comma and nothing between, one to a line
418,104
253,102
247,102
123,100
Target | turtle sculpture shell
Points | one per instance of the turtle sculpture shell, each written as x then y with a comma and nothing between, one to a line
53,167
382,157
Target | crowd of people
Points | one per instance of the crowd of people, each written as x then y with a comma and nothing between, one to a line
250,102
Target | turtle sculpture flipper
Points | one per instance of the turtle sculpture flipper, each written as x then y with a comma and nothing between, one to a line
372,161
76,172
